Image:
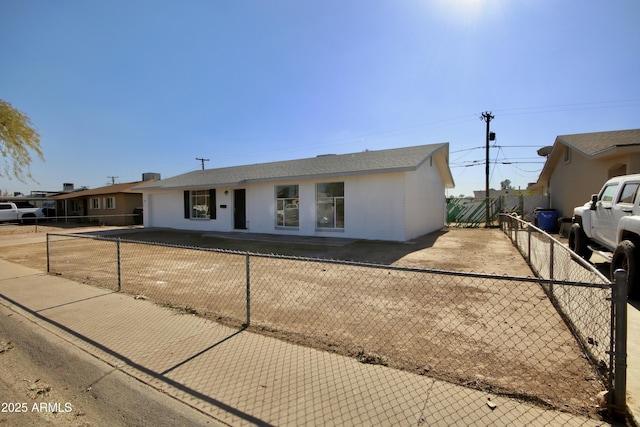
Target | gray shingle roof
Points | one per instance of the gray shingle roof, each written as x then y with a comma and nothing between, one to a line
367,162
595,143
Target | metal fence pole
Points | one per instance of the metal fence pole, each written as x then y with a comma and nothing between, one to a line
119,266
248,269
619,305
529,245
48,265
551,258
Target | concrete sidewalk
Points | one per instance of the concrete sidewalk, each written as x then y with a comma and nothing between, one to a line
242,378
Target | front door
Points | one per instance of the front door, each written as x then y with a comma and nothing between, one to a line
239,209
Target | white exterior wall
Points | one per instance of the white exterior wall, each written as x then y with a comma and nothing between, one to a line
426,203
374,208
166,210
392,206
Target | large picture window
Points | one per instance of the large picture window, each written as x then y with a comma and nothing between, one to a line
287,206
200,204
330,205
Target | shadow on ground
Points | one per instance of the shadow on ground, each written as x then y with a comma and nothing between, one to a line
379,252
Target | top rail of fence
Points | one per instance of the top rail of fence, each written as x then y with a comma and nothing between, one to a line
525,225
328,260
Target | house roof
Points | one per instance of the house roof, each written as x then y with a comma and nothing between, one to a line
597,143
109,189
593,145
367,162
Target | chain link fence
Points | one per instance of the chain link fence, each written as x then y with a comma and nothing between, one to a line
595,312
587,308
545,341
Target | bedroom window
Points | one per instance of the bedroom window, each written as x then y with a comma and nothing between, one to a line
287,206
330,205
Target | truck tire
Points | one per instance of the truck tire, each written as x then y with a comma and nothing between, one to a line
626,258
578,242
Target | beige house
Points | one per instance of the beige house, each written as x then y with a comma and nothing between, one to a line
111,205
578,165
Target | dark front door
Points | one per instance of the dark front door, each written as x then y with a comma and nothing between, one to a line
239,209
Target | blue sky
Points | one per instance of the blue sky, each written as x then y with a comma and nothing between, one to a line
118,88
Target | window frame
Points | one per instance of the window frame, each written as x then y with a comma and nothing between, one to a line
95,203
333,219
284,202
210,197
110,202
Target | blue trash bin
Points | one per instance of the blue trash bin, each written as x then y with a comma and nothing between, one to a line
546,219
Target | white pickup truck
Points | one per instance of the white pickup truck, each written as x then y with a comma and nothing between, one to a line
12,212
610,225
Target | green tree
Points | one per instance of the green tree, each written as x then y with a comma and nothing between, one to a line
506,185
18,139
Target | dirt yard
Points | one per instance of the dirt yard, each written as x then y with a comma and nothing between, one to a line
496,334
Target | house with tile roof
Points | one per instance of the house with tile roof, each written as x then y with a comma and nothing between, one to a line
578,165
113,204
394,194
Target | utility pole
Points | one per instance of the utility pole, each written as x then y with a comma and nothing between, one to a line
487,117
202,160
113,179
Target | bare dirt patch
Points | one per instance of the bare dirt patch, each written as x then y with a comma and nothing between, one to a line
496,334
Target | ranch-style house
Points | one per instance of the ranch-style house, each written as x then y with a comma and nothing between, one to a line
396,194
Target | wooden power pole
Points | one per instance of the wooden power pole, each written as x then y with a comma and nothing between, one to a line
487,117
202,160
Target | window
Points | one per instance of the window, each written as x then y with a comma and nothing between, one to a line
608,192
629,192
110,203
567,154
287,206
200,204
330,205
75,206
95,203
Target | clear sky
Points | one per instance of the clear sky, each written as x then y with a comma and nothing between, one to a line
121,87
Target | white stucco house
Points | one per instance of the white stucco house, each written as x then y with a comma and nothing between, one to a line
396,194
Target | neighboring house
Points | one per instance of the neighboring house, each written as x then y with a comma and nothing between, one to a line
395,194
111,205
578,165
494,194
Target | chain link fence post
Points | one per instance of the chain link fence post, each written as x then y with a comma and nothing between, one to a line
529,245
619,306
248,270
48,261
551,259
119,265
